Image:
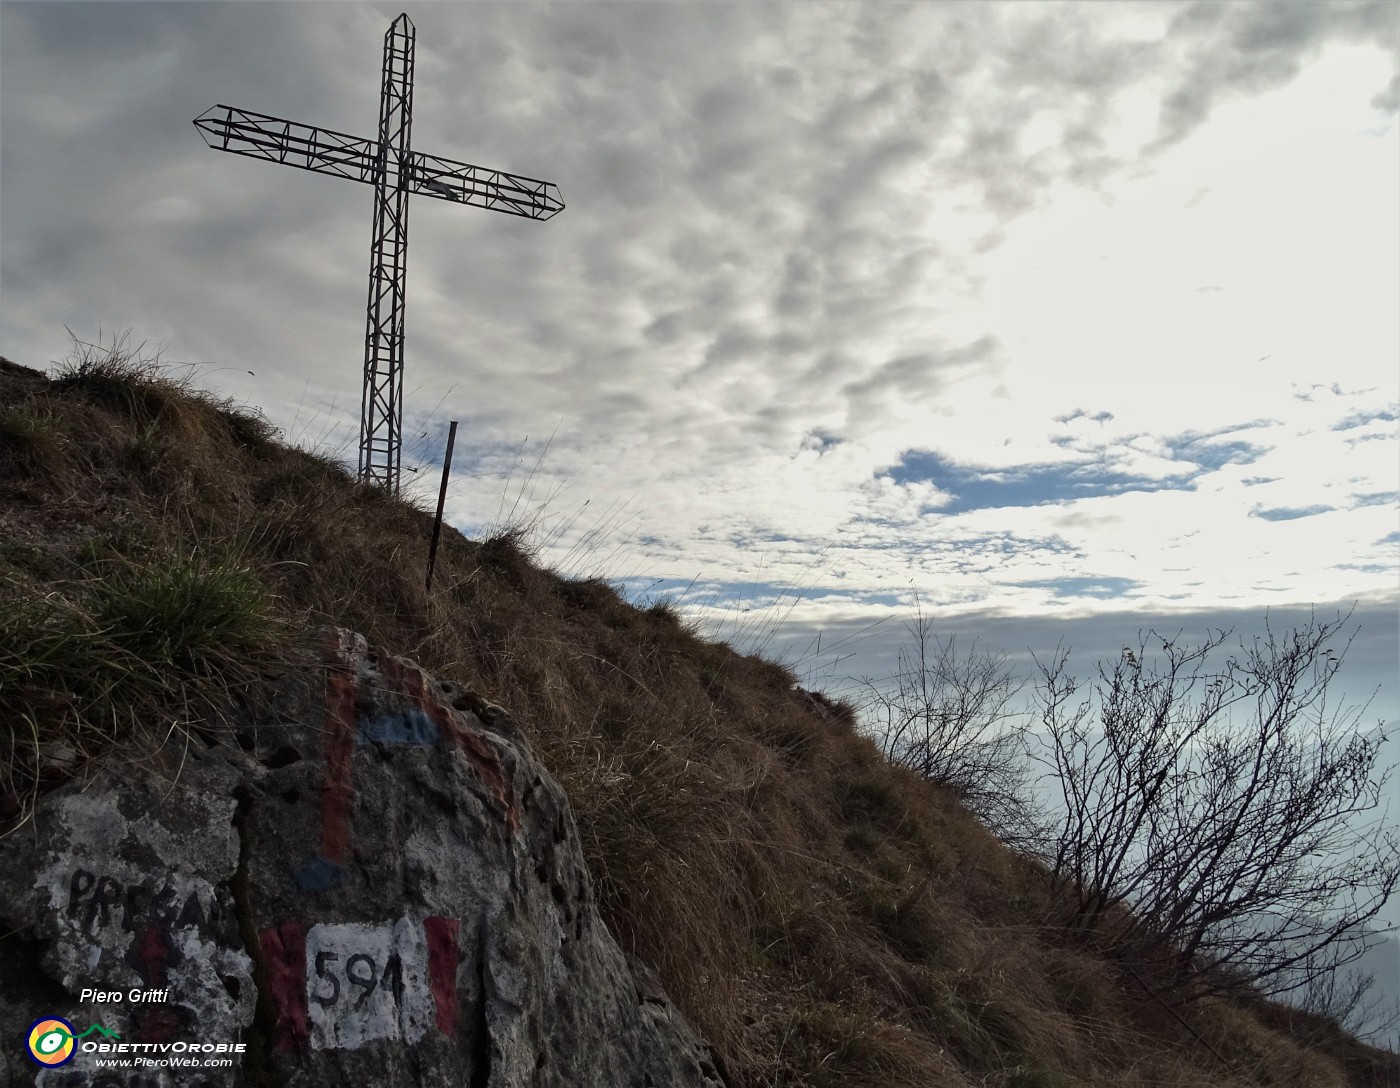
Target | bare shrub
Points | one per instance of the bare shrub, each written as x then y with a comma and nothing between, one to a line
1226,806
947,717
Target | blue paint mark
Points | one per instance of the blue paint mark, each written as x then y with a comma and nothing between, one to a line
400,727
319,874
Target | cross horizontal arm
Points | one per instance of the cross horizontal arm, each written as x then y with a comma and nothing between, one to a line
243,132
475,185
261,136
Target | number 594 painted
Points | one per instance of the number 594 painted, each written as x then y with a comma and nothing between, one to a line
367,982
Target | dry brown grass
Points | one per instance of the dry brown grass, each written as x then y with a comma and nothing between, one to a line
824,918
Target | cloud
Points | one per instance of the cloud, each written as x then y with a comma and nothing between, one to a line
1388,100
769,317
1080,413
1230,51
915,379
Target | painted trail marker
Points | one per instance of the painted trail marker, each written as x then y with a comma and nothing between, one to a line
395,171
342,985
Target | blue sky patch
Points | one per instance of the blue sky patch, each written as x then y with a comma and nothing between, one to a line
1035,485
737,594
1289,513
1210,455
1080,413
652,589
1102,588
1365,568
820,441
1360,419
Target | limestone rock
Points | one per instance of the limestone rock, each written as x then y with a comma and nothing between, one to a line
380,885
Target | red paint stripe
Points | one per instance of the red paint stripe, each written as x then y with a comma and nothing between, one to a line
155,1024
284,960
150,954
442,969
340,745
481,754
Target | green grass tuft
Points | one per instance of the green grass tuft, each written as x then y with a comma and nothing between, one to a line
117,655
185,613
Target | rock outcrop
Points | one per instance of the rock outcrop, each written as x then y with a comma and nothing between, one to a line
379,884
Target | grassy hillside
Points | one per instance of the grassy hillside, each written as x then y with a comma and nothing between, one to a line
823,918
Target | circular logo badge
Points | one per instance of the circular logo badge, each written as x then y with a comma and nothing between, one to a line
51,1041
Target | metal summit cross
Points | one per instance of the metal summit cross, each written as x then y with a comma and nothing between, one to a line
395,172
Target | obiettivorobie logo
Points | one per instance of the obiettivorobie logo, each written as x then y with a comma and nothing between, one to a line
52,1040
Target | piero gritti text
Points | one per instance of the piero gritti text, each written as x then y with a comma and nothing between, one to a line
135,996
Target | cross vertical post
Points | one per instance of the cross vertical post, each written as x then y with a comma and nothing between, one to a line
397,172
381,404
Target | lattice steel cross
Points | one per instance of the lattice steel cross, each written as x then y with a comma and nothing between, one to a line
395,171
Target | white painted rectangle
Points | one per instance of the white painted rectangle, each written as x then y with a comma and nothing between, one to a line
367,982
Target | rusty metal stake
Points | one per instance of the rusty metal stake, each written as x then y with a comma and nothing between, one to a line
442,498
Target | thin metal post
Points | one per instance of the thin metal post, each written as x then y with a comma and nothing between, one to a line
442,498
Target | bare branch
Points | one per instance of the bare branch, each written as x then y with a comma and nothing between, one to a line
947,716
1223,805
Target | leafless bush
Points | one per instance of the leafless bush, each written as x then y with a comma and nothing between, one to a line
948,718
1241,845
1350,998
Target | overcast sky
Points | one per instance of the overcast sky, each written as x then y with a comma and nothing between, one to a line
1071,319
